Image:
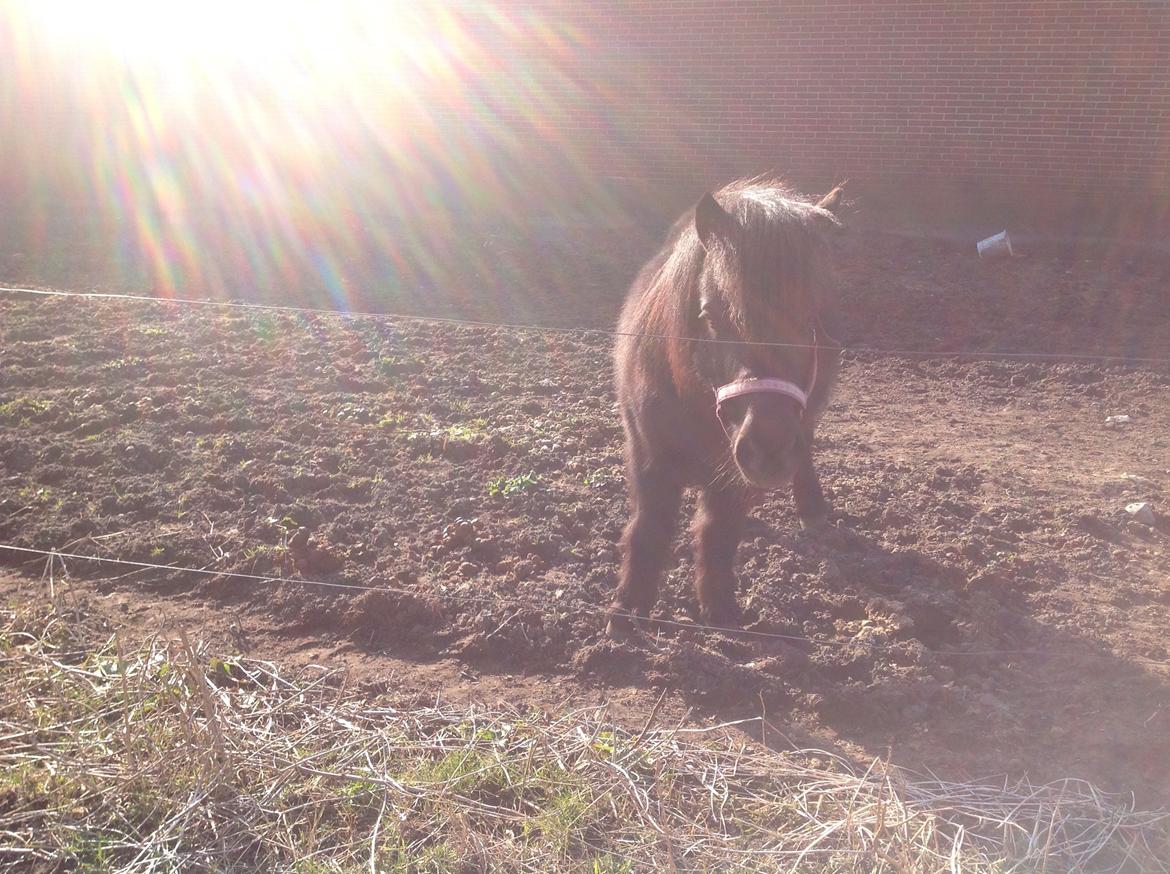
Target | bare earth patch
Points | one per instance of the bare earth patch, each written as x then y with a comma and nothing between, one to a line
983,606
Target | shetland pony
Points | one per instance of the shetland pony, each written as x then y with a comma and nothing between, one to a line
723,370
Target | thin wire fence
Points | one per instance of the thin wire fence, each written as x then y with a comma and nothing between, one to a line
595,332
53,555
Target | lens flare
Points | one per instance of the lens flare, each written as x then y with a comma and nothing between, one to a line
252,147
173,34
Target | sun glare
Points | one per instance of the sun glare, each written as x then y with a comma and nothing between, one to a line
247,35
229,142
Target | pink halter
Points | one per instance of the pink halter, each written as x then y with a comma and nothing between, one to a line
768,384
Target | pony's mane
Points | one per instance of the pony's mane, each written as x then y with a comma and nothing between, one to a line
780,262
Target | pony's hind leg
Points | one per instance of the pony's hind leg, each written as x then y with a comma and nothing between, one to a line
717,528
654,502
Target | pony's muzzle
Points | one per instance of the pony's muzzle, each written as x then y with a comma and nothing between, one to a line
766,441
765,446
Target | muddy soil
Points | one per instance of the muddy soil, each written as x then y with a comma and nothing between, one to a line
983,604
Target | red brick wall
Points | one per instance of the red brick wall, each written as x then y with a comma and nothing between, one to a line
547,100
1056,94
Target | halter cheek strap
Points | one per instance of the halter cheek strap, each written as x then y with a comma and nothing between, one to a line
768,384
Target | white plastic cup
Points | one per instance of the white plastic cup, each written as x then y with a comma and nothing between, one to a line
993,247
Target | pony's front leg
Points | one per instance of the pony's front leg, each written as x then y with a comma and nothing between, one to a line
717,528
654,502
811,506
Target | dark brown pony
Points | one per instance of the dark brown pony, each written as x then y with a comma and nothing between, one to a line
730,309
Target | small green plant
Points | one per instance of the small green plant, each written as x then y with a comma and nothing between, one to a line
265,550
122,363
565,815
21,410
464,432
263,325
513,485
459,440
396,365
35,494
599,478
92,849
352,412
612,865
393,421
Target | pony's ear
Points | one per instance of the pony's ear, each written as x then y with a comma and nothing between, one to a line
828,208
833,200
713,223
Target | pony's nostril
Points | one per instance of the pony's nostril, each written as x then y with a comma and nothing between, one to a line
745,453
765,458
789,445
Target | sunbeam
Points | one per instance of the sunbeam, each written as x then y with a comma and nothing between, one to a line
267,148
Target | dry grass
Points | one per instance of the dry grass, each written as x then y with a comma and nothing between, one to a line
165,757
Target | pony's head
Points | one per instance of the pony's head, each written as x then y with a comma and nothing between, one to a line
758,295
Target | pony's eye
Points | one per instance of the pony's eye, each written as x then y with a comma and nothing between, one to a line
712,319
707,316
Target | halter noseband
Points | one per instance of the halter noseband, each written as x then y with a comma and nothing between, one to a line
768,384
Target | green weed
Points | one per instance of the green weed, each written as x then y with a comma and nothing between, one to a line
21,411
513,485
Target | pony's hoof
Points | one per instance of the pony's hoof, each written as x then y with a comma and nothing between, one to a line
815,523
826,534
623,624
722,616
619,630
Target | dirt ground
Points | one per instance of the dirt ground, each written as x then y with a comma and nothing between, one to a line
983,606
